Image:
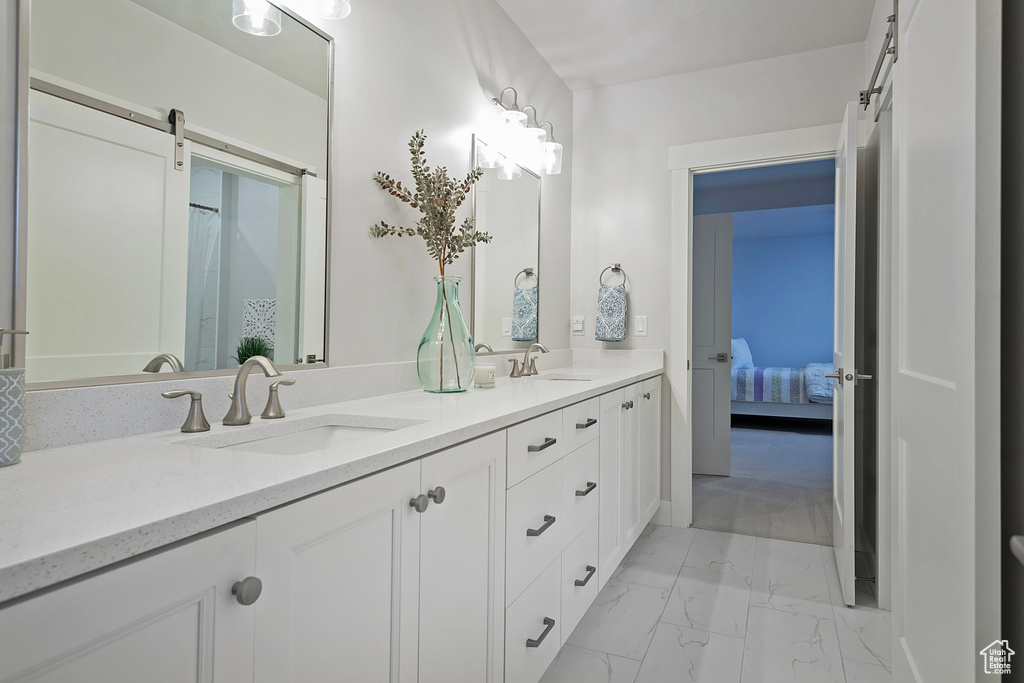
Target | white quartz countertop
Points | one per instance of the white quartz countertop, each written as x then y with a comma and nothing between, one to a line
68,511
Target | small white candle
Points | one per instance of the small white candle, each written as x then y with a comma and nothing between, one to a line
483,376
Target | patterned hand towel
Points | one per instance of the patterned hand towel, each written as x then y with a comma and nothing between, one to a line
524,314
611,313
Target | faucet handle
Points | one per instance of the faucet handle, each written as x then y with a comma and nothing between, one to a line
533,367
273,410
195,421
515,368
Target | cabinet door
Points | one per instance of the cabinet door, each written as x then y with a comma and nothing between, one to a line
611,542
650,449
340,577
630,510
166,618
462,564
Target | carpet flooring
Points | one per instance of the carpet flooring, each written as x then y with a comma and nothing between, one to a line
781,483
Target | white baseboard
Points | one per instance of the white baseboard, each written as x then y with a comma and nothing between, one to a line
664,514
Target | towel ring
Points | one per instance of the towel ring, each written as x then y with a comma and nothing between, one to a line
528,272
615,268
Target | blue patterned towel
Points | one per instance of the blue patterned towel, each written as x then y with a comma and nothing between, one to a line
524,314
611,313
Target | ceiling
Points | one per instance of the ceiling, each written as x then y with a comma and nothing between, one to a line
793,222
596,43
805,183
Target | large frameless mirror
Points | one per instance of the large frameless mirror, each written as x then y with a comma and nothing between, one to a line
506,277
177,175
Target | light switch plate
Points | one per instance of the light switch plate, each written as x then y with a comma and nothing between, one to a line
577,325
506,327
641,326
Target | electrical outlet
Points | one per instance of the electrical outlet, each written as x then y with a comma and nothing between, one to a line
506,327
640,329
577,326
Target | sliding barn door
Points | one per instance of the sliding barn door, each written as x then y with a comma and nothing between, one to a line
107,246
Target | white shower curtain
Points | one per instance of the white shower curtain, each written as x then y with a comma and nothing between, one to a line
203,289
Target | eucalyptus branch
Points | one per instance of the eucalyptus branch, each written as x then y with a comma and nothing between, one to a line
438,197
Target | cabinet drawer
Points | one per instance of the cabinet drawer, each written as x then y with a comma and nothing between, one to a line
533,617
533,445
580,423
579,564
580,489
533,531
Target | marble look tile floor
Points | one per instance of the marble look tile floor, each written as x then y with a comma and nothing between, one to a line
712,607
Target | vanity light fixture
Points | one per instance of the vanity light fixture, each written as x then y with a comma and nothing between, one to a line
533,139
488,157
534,146
551,156
511,114
509,170
334,9
257,17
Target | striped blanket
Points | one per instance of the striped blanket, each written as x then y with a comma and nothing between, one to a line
769,385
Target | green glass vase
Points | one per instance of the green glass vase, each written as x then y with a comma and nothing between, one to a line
446,359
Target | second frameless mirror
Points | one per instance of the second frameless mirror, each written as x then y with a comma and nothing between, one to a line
199,241
506,277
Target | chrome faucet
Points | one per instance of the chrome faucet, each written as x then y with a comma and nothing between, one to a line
482,345
239,413
530,364
164,359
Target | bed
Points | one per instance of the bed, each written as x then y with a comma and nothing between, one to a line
779,392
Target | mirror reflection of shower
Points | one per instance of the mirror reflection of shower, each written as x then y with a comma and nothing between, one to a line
243,265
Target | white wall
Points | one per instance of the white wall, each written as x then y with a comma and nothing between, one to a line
621,198
403,65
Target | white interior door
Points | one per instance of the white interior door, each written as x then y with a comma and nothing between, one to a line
844,518
712,331
107,246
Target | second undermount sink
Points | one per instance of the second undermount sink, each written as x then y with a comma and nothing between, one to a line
567,378
309,435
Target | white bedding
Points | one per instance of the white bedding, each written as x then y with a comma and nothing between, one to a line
819,387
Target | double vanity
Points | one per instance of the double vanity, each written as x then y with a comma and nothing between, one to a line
406,537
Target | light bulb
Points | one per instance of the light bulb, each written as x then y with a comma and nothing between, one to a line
509,170
335,9
487,157
551,158
257,17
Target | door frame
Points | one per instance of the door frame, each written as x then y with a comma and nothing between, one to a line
685,161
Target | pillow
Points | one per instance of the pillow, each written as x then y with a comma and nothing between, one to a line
741,358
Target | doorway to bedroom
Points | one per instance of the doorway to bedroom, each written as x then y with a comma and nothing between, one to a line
763,277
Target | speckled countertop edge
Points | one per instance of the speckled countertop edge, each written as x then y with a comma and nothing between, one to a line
68,511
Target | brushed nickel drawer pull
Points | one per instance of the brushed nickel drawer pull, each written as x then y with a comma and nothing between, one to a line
591,421
548,521
549,624
548,443
591,570
591,485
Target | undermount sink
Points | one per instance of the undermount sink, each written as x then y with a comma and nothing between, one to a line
568,378
309,435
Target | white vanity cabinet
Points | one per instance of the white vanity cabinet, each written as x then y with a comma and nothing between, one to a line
168,617
630,468
361,584
551,536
